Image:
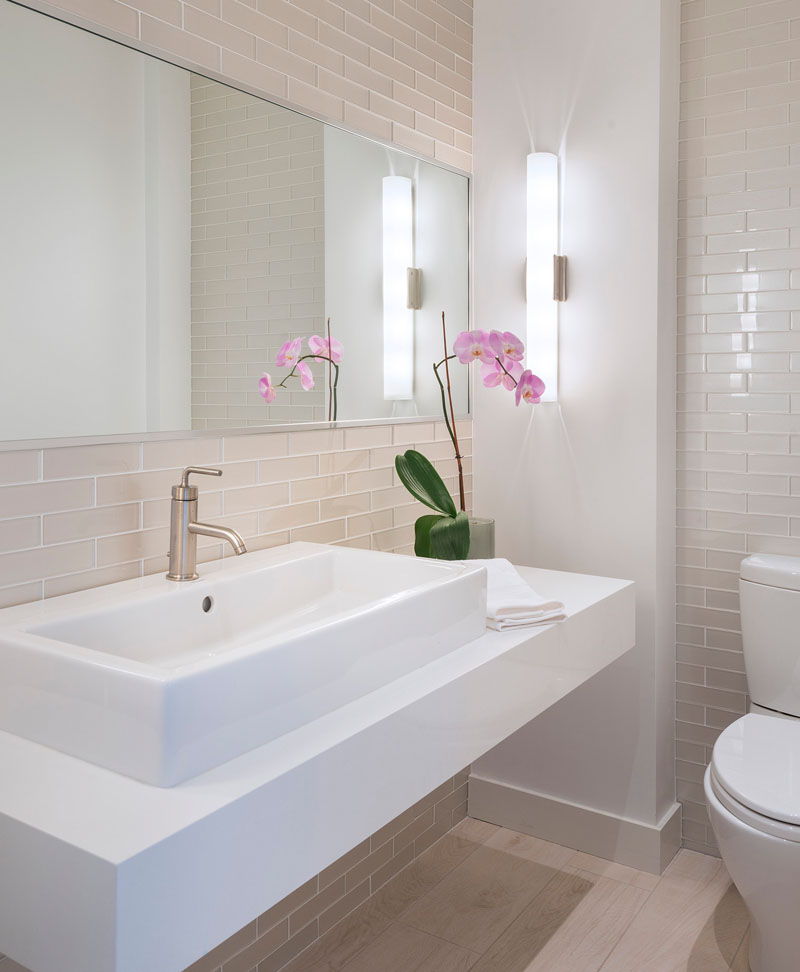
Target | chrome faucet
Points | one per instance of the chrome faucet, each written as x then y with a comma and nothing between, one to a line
184,527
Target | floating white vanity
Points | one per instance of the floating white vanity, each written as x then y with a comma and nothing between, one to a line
100,872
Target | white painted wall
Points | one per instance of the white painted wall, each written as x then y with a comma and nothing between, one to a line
354,171
94,327
588,484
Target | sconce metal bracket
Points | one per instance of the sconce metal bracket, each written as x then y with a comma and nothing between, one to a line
414,288
559,277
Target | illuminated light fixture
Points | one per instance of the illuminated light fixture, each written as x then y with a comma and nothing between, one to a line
398,313
546,273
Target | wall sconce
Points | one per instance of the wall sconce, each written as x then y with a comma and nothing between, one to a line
401,286
546,272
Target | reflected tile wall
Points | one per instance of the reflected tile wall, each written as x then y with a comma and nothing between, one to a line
258,253
738,349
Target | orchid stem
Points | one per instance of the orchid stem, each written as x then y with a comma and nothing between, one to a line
451,426
507,372
330,365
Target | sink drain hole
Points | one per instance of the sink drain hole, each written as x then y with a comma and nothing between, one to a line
208,603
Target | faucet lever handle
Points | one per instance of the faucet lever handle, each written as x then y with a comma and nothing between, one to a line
202,470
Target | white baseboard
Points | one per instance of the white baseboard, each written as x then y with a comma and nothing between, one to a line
643,846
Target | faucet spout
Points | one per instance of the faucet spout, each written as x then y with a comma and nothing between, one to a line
221,533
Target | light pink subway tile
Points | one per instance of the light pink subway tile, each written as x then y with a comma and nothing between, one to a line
85,524
328,532
180,43
219,32
188,452
19,467
93,460
41,562
21,533
84,580
115,16
35,498
255,74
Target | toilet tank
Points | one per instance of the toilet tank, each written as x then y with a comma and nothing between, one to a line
769,588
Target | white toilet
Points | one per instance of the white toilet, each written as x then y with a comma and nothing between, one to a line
753,782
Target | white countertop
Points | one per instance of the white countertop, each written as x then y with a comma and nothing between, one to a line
194,863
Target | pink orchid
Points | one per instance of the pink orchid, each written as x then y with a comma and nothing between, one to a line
506,345
289,353
493,374
320,346
530,388
306,378
473,346
266,389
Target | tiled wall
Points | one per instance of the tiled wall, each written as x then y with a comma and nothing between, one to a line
258,253
299,932
739,349
73,518
397,69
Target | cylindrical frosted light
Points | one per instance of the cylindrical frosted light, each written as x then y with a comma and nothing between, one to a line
542,353
398,320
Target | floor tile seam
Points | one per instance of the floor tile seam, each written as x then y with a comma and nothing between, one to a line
490,946
377,938
740,946
626,929
432,888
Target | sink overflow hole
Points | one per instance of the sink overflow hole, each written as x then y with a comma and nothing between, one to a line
208,603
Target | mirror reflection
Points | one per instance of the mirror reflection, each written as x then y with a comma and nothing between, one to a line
169,240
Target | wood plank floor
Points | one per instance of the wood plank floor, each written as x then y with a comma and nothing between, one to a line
490,900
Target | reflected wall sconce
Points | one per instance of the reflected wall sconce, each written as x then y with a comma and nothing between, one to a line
546,271
401,288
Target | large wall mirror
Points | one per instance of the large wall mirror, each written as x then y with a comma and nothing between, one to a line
164,236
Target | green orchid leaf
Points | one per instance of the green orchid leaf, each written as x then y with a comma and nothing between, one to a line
449,537
422,534
420,478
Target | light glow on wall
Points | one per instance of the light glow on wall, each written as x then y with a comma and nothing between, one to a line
543,243
398,319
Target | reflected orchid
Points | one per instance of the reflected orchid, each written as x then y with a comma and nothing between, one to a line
306,378
324,348
289,353
266,389
291,356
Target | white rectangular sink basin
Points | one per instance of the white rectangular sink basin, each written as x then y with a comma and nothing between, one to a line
161,680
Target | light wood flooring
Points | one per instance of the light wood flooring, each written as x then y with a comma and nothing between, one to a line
492,900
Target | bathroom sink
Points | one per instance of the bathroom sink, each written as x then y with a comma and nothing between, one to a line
162,681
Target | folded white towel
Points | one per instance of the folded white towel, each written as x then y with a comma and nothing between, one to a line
511,603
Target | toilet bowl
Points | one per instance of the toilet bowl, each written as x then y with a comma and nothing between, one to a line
752,789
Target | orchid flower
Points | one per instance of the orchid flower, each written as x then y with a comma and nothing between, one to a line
506,345
530,388
506,374
324,349
266,389
289,353
473,346
306,378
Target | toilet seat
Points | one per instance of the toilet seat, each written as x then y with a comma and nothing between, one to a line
755,773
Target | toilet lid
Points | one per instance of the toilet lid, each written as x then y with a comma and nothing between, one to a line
757,761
